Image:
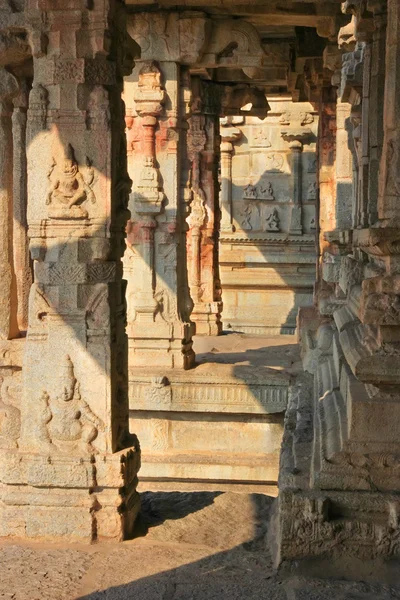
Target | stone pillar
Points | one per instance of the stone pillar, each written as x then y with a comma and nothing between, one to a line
22,263
8,285
73,457
344,169
159,329
296,139
203,220
376,123
229,135
389,181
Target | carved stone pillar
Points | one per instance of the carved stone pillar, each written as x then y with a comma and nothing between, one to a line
296,139
229,135
159,329
73,457
389,182
8,285
22,263
203,220
376,123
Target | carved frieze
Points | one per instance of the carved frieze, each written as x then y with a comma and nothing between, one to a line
261,191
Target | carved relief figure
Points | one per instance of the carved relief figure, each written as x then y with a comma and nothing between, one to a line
272,221
250,192
274,162
249,214
68,422
68,189
266,191
10,416
260,139
312,191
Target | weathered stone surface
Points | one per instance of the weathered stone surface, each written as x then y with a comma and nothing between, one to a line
272,186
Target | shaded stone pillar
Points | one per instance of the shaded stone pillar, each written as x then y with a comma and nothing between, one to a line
389,181
229,135
296,138
203,220
22,263
376,106
8,285
72,453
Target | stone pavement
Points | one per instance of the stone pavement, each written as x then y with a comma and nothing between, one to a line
190,546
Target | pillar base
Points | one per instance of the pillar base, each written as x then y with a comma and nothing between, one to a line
207,317
69,498
168,346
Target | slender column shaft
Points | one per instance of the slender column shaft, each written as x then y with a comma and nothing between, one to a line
8,286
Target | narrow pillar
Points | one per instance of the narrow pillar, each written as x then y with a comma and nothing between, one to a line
73,456
22,263
203,220
376,106
389,182
159,328
8,285
296,139
229,135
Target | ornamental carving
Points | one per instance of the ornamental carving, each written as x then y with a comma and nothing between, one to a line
69,190
149,99
262,191
272,221
10,415
67,423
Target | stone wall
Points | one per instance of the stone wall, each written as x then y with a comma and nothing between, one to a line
267,240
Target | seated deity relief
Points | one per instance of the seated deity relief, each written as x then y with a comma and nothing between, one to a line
10,416
262,191
67,423
69,189
253,218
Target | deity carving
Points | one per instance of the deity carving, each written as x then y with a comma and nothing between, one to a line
260,139
274,162
266,191
67,422
69,189
249,213
10,416
250,192
312,191
272,221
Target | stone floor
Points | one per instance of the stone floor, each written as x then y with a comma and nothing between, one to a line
190,546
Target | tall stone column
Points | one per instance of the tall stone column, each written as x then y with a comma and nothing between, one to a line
69,447
389,182
8,285
296,137
229,135
203,220
159,328
22,263
376,106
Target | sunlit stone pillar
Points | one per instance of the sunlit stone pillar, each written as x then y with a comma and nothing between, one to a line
8,286
72,454
20,226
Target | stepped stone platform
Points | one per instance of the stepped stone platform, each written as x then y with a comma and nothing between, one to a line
221,421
